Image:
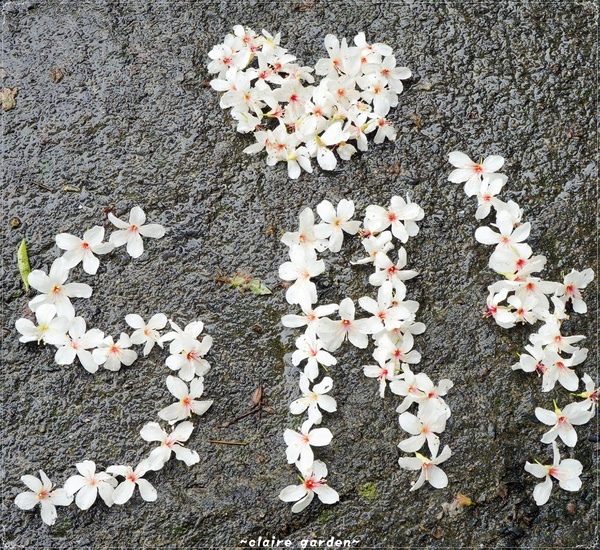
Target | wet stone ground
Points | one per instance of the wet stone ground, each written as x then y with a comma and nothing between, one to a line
130,120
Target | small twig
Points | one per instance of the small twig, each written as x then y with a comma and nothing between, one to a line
227,442
42,186
251,411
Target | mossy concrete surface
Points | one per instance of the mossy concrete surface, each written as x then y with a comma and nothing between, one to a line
114,110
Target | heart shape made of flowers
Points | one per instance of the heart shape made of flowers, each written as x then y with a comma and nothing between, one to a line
294,121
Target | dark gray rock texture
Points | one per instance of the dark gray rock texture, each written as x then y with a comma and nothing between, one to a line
133,121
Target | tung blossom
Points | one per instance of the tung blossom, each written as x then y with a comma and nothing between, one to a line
42,492
113,354
187,403
169,443
83,250
562,422
430,471
50,328
472,172
124,491
567,473
55,291
333,333
146,334
300,443
314,399
89,484
77,344
336,222
131,233
313,482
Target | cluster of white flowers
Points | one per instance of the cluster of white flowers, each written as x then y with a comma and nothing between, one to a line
524,298
260,81
58,326
391,325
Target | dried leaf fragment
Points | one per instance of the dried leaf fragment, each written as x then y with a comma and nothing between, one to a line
7,98
259,288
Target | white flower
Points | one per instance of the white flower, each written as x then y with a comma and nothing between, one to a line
193,329
509,235
420,389
112,354
486,195
55,291
311,348
333,333
401,216
314,399
305,236
430,471
556,368
299,443
571,288
187,403
41,492
470,172
384,372
423,428
50,329
83,250
187,356
89,484
549,335
125,489
336,222
131,233
310,317
398,349
77,345
313,482
562,422
376,247
387,310
302,266
386,270
590,394
169,443
146,333
384,129
567,472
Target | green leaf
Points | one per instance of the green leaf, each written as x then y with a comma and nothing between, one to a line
259,288
23,263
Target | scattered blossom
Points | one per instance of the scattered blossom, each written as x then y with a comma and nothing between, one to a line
89,484
113,354
50,329
260,80
77,344
562,422
187,403
313,482
42,492
83,250
55,291
299,443
124,491
314,399
567,473
146,334
430,471
131,233
169,443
